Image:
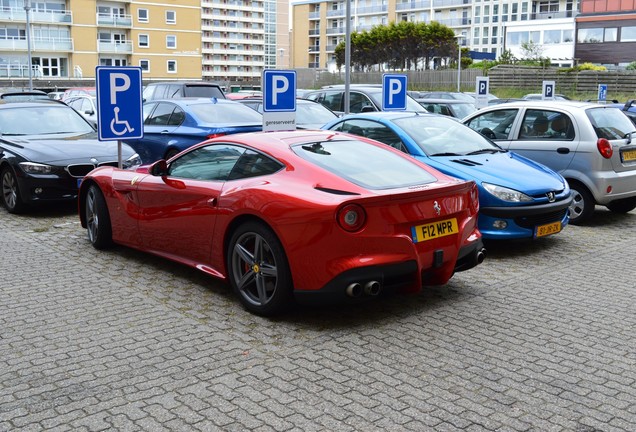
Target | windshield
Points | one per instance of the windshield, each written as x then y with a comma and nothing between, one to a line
42,120
443,136
366,165
610,123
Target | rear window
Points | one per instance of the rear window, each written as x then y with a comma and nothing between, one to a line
609,123
366,165
204,91
226,113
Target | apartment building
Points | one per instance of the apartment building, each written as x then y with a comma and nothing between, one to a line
69,38
240,38
482,25
606,32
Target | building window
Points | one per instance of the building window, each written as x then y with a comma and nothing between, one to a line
610,34
590,35
628,34
172,66
171,41
142,15
171,17
144,41
144,65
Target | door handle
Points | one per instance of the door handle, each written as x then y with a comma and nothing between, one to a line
212,202
563,150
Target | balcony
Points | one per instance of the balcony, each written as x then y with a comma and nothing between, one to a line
49,17
553,15
336,30
414,5
314,15
336,13
447,3
314,49
111,47
313,65
108,20
37,44
371,10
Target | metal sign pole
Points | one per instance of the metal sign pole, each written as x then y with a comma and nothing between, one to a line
119,162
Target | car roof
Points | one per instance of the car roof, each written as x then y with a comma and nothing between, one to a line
389,115
444,101
194,101
543,104
8,103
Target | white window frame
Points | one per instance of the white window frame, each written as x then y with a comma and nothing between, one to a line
171,21
168,66
168,37
143,20
139,40
147,70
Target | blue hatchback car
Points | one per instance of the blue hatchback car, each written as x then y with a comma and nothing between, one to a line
173,125
518,198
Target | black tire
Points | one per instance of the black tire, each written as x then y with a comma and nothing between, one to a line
258,269
582,206
98,224
622,205
11,196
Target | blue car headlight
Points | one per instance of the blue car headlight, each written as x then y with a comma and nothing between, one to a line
506,194
132,162
35,168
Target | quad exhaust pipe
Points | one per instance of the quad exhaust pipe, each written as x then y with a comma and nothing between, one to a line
370,288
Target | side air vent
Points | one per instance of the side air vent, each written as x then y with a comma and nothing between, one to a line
335,191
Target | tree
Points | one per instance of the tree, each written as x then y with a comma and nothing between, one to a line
532,50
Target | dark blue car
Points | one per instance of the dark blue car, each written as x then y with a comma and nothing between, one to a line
173,125
518,198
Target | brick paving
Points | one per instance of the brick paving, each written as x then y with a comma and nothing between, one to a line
538,338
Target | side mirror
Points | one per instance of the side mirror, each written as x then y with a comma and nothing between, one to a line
368,108
159,168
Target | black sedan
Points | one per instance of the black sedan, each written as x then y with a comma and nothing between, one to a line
46,148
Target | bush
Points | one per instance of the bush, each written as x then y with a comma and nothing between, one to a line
631,66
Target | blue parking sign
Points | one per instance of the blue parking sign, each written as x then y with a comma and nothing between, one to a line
393,92
119,103
279,91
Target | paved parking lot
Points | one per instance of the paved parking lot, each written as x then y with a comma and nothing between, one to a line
540,337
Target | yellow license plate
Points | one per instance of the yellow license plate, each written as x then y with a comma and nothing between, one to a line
434,230
547,229
629,155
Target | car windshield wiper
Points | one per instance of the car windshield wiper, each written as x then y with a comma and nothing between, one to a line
445,154
481,151
628,135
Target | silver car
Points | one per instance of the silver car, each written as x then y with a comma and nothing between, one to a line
589,144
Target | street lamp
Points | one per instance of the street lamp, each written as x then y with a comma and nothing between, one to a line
459,60
27,8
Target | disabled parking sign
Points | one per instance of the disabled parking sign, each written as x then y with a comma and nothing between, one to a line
119,103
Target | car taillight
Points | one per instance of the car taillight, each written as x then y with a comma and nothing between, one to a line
474,197
214,135
604,148
351,217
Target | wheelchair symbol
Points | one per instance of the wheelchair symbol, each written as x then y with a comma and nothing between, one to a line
115,121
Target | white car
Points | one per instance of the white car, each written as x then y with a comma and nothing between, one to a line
85,105
589,144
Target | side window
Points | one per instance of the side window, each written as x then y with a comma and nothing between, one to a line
160,115
332,100
177,117
542,124
494,124
174,91
148,92
213,162
147,109
253,164
357,101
